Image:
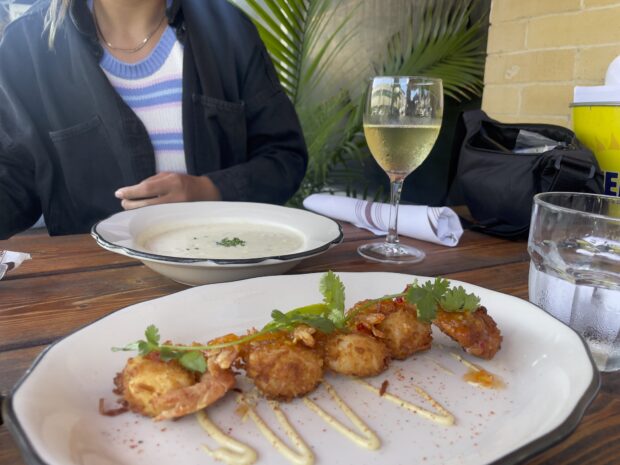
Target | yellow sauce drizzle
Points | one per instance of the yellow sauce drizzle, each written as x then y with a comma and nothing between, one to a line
231,451
367,439
440,366
444,417
478,376
234,452
303,456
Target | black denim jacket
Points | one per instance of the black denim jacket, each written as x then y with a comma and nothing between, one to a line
68,140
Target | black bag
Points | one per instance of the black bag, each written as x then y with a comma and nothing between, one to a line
502,166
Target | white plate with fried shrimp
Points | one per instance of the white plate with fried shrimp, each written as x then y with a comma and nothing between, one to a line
320,368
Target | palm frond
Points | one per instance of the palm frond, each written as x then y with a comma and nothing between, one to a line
324,43
440,42
281,25
296,37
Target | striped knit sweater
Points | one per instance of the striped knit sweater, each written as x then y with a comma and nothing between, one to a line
153,89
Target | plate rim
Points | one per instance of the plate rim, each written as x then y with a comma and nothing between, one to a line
140,255
514,457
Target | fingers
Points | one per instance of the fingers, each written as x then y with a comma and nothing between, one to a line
151,191
166,188
150,187
131,204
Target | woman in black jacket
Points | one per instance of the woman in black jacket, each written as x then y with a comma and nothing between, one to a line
79,141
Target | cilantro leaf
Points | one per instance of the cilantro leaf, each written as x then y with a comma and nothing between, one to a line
194,361
152,341
458,300
440,286
333,296
152,335
431,295
424,300
143,347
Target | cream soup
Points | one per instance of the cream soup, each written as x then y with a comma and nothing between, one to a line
224,240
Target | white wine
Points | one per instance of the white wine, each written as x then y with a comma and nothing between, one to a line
399,149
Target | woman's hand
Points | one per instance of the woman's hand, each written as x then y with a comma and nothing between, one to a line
167,188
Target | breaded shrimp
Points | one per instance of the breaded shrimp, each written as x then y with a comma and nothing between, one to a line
356,354
476,332
145,378
165,390
396,323
284,365
213,385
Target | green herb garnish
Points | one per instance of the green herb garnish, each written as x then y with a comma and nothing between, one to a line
429,297
326,317
234,242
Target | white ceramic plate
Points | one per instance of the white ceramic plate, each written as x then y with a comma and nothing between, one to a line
549,375
124,233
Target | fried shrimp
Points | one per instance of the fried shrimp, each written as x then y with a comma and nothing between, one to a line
287,358
283,365
476,332
396,323
165,389
212,386
356,354
144,379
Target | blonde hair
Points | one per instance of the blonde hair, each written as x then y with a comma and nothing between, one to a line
56,13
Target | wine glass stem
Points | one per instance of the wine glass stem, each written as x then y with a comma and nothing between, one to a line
396,186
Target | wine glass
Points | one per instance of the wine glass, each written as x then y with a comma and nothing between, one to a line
402,118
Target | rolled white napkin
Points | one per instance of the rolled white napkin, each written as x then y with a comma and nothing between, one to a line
439,225
11,260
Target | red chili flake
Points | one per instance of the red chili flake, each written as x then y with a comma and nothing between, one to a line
399,300
384,386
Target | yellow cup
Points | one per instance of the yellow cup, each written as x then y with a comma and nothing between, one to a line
598,127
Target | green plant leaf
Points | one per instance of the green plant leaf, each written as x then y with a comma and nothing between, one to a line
441,42
194,361
152,335
458,300
333,296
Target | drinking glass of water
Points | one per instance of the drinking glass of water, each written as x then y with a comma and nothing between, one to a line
574,246
402,118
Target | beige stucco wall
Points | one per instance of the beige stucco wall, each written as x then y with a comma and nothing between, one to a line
539,50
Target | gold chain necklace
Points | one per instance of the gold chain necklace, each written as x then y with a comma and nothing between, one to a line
135,49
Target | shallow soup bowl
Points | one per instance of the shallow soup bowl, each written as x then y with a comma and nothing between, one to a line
198,243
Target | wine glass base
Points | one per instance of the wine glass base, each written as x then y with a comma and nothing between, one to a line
390,253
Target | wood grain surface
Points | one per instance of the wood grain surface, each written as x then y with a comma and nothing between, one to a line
71,282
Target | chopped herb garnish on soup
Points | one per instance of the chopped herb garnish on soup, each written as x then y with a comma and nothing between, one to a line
234,242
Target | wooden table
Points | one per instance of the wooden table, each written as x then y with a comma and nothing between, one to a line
71,281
